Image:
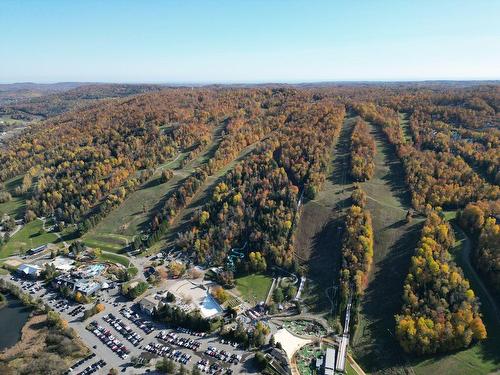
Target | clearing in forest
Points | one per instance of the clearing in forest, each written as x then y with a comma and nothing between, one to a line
317,237
404,120
30,236
16,206
253,288
133,215
374,345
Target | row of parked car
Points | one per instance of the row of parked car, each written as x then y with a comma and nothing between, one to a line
80,362
166,351
174,339
123,329
93,367
29,286
189,332
109,340
61,305
214,368
227,342
223,355
77,310
143,324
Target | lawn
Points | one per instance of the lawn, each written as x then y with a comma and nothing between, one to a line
132,217
254,288
405,124
16,206
31,235
349,370
115,258
107,242
373,343
317,237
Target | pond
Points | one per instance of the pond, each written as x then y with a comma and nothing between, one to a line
12,319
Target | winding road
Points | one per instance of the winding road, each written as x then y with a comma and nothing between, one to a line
465,256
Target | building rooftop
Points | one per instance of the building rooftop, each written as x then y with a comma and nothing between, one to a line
29,269
330,359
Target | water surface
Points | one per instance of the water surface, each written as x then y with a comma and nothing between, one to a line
12,319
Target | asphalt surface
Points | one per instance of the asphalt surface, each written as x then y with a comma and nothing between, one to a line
113,302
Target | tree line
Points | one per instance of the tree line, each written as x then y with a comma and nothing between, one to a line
440,311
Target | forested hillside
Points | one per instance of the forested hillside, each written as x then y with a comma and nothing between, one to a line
222,175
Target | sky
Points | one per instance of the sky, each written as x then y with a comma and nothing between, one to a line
251,41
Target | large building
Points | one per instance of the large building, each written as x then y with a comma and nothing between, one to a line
36,250
29,270
86,287
329,363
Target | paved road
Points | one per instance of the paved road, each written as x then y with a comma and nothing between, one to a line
466,255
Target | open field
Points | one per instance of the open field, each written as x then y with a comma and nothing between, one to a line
253,288
32,235
16,206
374,345
115,258
133,215
318,237
405,124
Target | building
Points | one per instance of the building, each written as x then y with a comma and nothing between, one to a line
36,250
344,341
86,287
63,264
92,271
149,304
29,270
329,362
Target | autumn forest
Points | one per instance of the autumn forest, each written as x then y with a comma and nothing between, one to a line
246,160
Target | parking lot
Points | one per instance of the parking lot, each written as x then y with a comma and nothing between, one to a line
133,331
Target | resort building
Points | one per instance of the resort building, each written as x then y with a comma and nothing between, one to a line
29,270
36,250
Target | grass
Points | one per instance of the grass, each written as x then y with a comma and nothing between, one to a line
374,345
349,370
133,216
91,242
17,205
317,237
318,241
254,288
31,235
405,124
3,300
115,258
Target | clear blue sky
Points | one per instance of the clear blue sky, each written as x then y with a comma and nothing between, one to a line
248,41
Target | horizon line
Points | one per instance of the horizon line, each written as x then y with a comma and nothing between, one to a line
279,82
